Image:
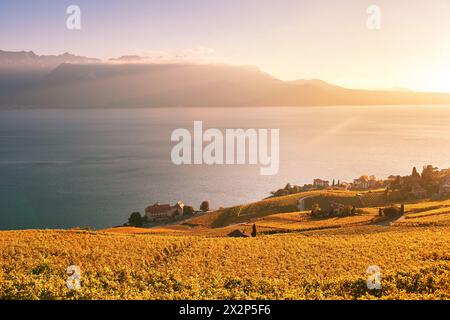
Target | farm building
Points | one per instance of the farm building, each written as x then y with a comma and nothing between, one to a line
164,211
238,234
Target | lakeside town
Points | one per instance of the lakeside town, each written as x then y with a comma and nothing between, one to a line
430,183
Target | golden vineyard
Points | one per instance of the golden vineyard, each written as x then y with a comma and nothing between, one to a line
294,256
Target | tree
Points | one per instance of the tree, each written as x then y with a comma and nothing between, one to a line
135,219
204,206
333,183
415,174
428,171
395,185
430,179
254,231
188,210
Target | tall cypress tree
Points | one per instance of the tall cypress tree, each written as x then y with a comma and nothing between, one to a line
254,231
414,173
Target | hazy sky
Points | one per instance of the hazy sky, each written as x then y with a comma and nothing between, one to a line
290,39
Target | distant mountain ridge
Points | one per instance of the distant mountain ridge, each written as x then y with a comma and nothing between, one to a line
30,60
23,68
81,82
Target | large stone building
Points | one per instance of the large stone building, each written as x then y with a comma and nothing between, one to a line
319,183
164,211
365,182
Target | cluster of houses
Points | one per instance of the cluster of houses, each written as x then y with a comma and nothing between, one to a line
361,183
414,184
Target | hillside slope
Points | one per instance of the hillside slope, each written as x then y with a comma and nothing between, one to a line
281,215
313,259
244,213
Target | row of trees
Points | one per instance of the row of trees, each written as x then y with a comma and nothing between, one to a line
429,180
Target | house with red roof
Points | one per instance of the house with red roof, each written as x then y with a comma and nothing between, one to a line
164,211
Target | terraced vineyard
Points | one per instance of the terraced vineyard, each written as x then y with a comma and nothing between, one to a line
294,256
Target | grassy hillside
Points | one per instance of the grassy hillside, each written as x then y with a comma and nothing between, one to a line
416,213
253,212
243,213
280,215
294,256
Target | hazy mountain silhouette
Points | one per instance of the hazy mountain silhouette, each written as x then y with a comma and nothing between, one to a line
84,83
18,69
27,60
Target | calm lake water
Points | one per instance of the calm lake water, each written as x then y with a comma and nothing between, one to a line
69,168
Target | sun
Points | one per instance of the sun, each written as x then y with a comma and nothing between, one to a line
436,79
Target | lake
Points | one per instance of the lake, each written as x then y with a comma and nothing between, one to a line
67,168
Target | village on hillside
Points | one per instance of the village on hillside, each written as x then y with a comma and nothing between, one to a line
432,182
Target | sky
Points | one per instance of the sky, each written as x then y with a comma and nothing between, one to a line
290,39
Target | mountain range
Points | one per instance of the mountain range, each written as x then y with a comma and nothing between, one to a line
69,81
